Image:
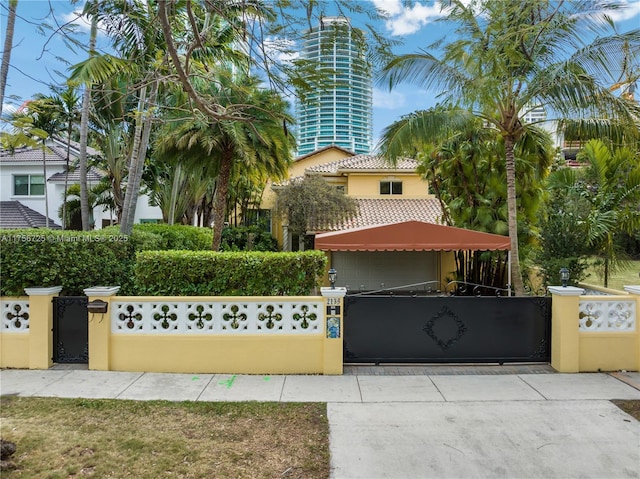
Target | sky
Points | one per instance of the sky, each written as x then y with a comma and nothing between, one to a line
35,57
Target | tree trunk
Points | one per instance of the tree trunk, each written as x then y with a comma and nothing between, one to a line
138,156
6,53
132,163
44,173
66,178
174,194
220,201
84,136
518,285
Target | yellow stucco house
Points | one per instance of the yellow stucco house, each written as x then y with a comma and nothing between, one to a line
394,204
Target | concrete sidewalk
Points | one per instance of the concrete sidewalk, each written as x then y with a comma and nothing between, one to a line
414,426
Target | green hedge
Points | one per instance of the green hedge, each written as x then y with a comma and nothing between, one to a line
179,237
77,260
200,273
71,259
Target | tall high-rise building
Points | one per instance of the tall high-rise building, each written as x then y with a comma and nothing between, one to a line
338,112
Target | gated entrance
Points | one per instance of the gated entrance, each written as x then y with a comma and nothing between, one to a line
446,329
70,330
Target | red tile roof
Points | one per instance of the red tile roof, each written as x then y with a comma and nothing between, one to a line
376,211
325,148
364,163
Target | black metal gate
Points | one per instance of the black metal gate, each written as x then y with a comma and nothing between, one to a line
70,329
446,329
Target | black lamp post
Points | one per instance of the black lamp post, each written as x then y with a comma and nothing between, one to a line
564,276
333,274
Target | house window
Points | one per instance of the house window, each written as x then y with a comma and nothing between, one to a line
391,187
260,217
28,185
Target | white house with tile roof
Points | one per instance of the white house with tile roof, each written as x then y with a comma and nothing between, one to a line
22,187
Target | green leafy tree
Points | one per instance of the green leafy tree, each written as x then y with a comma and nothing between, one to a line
611,184
311,204
564,236
465,173
263,144
506,57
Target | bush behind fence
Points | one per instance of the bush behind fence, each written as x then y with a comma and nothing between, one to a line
77,260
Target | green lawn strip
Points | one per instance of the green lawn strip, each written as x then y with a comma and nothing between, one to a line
62,438
629,276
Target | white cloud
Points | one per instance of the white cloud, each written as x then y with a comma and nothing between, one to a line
388,100
76,18
281,50
388,7
8,108
405,20
629,10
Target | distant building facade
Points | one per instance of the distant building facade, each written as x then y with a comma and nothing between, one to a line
339,113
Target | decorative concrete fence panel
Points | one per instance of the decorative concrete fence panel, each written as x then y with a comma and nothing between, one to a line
595,333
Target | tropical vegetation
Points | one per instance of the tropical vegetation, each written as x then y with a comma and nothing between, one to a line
190,106
506,58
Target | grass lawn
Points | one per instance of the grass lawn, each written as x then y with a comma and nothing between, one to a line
630,276
77,438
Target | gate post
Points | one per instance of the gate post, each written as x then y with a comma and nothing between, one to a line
333,318
41,326
635,291
100,327
565,340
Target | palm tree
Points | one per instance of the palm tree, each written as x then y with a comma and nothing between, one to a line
131,27
235,146
44,115
97,195
507,57
68,100
84,135
8,46
464,172
113,163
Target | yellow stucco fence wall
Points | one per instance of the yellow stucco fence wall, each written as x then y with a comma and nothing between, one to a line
250,335
26,330
595,333
244,335
281,335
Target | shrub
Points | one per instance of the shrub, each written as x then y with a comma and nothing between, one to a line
243,238
190,273
178,237
74,260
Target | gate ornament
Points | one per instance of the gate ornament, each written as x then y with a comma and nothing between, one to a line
445,315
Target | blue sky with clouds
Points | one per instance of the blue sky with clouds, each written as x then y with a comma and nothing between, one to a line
35,59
